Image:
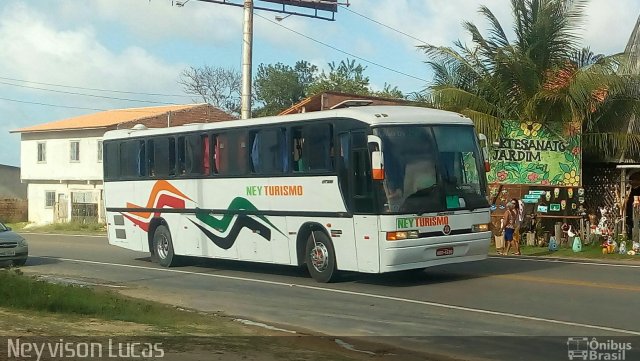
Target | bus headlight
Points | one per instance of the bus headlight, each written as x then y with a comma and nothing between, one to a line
400,235
483,227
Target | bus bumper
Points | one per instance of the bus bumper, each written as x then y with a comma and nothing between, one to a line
422,253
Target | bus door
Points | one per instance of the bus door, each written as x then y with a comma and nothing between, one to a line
361,202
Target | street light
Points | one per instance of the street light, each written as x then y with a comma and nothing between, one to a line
280,18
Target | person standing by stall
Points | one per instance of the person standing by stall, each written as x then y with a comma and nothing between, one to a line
509,228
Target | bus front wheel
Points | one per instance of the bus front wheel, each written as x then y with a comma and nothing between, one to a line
163,247
320,257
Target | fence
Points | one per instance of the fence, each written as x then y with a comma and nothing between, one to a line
13,210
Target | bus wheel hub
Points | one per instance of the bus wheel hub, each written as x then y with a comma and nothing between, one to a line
320,257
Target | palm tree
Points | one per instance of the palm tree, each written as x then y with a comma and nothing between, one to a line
541,76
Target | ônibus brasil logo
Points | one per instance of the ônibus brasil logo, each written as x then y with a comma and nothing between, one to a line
581,348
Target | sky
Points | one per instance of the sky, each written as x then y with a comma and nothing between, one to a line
64,58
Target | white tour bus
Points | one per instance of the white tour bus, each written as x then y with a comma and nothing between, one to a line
369,189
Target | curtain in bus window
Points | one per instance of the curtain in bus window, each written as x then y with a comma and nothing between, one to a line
216,154
255,154
206,156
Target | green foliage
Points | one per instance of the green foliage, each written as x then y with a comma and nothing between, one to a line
22,292
345,77
279,86
540,76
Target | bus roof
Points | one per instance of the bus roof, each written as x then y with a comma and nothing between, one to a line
372,115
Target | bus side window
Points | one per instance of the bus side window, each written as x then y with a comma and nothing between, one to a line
267,151
172,156
220,148
111,160
182,156
298,144
317,149
142,159
151,152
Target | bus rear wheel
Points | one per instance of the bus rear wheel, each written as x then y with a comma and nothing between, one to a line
163,247
320,257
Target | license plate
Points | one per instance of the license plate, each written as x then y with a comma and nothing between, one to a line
7,253
447,251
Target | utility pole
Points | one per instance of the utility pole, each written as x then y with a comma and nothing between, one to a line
247,46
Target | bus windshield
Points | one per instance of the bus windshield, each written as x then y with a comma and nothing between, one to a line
431,169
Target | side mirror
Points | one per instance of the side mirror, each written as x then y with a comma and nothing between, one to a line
484,146
8,228
377,160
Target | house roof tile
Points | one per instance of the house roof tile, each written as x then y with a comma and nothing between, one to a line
107,118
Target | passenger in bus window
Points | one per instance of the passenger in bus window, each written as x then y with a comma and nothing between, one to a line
299,162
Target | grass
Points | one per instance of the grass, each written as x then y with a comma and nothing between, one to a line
67,227
18,291
29,306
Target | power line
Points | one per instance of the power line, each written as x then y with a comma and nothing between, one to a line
73,107
49,105
385,25
96,89
86,95
342,51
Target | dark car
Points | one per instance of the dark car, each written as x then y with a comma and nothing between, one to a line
13,247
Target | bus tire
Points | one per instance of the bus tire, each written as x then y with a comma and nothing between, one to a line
320,257
163,247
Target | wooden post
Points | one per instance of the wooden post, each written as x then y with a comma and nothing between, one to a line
636,217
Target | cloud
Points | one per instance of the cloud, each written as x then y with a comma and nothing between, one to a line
159,21
608,24
436,22
36,48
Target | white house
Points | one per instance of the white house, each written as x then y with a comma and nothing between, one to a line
61,161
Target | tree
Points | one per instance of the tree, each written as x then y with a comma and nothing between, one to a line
220,87
345,77
540,76
390,92
280,86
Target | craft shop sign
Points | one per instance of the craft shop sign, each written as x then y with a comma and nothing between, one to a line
533,153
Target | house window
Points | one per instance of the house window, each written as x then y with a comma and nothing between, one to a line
49,199
74,151
99,151
42,152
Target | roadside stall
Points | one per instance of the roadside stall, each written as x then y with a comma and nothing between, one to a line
541,165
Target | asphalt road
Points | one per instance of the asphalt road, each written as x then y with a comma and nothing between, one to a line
501,308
